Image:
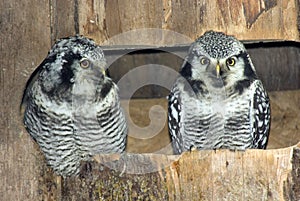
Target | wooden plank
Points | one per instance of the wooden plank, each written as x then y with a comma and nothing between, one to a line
198,175
25,40
63,18
91,19
101,20
246,19
292,190
127,15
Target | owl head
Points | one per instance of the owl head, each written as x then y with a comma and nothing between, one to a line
218,60
74,66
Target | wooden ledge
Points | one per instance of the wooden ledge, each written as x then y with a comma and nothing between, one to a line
197,175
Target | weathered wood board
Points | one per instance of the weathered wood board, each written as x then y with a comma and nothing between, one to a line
24,40
106,20
198,175
247,19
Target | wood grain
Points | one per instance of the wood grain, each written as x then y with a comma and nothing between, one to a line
24,42
63,19
246,19
198,175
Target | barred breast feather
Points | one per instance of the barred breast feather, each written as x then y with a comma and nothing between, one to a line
72,109
218,101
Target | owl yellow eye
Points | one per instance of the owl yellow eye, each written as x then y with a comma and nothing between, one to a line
204,61
230,61
84,63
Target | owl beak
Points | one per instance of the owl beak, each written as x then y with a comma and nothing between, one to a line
218,70
103,71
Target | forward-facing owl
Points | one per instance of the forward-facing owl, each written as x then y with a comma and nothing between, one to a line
218,102
72,108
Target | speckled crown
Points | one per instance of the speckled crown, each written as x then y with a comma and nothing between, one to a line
218,45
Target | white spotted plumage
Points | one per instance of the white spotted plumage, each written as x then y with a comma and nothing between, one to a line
72,109
213,109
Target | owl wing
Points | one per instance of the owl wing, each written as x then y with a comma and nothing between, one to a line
174,119
31,81
261,115
53,131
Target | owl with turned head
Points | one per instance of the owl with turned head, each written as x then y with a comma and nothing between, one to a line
218,102
72,108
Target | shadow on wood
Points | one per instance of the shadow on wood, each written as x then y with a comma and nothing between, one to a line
197,175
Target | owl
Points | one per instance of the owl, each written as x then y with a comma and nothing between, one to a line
71,108
217,101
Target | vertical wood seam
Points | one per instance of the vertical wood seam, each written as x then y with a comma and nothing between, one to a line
53,20
76,16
